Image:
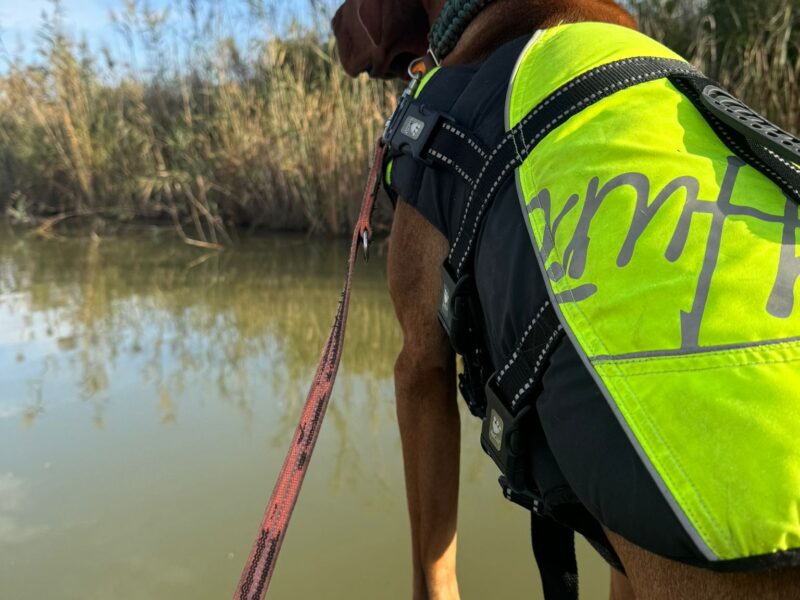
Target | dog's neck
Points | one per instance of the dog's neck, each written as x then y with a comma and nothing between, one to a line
504,20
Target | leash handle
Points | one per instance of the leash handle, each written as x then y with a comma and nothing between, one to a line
260,564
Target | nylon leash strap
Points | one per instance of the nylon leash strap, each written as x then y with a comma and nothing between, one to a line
260,565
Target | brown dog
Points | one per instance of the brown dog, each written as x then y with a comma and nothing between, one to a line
378,36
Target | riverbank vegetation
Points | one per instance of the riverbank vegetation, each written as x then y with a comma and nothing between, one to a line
215,135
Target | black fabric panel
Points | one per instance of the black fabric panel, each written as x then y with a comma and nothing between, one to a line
559,502
508,279
600,464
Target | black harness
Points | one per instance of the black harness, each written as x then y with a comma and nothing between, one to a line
504,397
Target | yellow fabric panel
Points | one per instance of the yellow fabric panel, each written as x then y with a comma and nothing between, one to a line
657,240
569,51
723,430
604,146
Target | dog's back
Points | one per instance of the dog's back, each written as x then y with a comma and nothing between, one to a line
651,233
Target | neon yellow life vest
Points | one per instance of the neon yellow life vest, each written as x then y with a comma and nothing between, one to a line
673,268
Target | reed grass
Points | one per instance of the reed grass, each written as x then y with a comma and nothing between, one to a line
215,138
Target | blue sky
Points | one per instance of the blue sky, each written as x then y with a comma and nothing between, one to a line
22,18
89,19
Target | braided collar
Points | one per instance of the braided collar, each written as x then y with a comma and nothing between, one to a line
450,25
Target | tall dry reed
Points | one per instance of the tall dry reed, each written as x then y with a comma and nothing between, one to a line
214,137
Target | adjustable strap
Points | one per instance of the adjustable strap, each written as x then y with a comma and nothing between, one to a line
554,549
450,141
519,379
434,138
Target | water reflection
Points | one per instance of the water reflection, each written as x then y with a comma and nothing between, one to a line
13,493
94,306
147,395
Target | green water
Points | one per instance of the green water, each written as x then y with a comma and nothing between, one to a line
148,391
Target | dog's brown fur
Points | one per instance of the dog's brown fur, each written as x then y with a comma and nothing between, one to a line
424,372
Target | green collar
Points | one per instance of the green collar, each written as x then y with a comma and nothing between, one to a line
450,25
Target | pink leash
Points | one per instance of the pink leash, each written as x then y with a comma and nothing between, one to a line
260,564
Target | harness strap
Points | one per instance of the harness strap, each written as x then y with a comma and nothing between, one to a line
450,140
518,380
554,549
434,138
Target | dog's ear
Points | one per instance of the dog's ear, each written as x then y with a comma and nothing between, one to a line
370,13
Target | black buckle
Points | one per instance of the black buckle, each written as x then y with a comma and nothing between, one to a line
411,129
472,395
454,311
503,438
526,499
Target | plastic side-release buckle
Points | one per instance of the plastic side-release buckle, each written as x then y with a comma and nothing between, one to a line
454,311
526,499
411,129
472,395
503,438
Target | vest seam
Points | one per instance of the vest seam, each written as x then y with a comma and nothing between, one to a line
610,359
711,368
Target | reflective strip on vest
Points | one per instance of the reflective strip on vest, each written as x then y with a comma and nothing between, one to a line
673,267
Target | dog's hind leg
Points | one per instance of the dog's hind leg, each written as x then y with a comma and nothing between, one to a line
427,410
655,578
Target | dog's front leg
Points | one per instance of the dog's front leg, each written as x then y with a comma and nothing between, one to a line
427,410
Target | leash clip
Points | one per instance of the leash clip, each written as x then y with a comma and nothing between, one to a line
365,244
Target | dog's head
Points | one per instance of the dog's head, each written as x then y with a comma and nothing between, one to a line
380,37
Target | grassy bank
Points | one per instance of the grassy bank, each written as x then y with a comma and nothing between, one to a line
213,137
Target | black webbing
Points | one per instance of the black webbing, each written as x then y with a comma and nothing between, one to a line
432,137
455,148
520,377
554,549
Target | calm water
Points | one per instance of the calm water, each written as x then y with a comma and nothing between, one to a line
147,394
